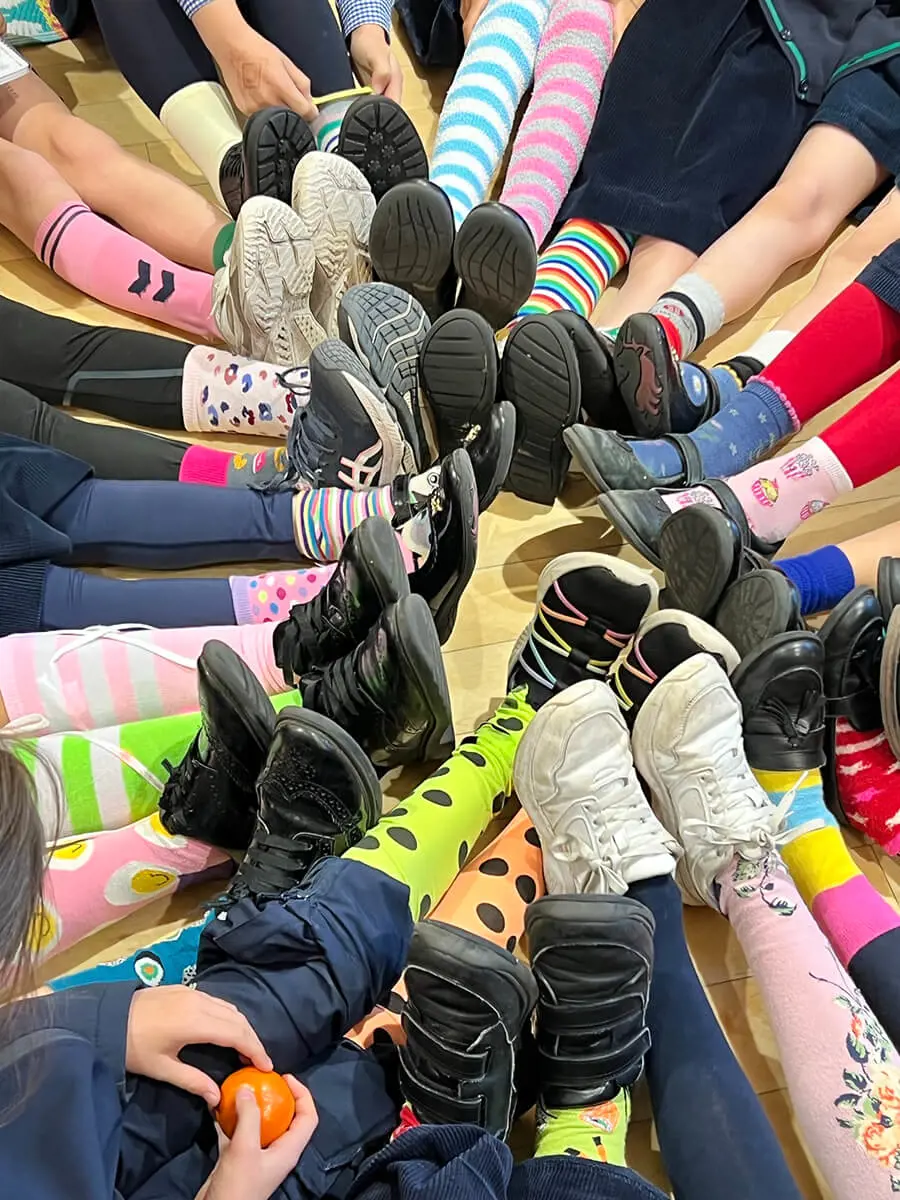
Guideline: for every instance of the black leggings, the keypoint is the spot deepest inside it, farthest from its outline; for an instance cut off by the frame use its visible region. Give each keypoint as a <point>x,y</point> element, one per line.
<point>158,50</point>
<point>119,373</point>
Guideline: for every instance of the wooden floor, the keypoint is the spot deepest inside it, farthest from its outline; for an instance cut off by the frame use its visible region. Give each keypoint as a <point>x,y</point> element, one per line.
<point>516,540</point>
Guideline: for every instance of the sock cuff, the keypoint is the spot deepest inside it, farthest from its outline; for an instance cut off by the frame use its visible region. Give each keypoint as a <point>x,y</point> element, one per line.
<point>822,577</point>
<point>699,292</point>
<point>222,244</point>
<point>830,463</point>
<point>202,464</point>
<point>774,399</point>
<point>50,231</point>
<point>192,389</point>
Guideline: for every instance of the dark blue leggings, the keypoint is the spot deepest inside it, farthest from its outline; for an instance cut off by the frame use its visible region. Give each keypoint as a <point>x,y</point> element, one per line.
<point>74,600</point>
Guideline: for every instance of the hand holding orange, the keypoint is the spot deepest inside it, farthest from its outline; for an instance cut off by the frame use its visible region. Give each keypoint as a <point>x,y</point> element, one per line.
<point>274,1099</point>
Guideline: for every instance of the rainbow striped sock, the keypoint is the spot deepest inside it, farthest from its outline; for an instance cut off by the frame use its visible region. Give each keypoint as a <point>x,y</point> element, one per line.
<point>325,517</point>
<point>576,267</point>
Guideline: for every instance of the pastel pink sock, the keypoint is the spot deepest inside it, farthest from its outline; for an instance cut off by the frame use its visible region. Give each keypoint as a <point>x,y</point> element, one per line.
<point>93,678</point>
<point>262,599</point>
<point>95,882</point>
<point>105,262</point>
<point>572,59</point>
<point>837,1058</point>
<point>221,392</point>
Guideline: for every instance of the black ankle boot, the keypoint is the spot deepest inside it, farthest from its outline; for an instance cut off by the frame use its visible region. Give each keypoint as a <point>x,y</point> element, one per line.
<point>391,692</point>
<point>370,575</point>
<point>466,1026</point>
<point>210,795</point>
<point>318,794</point>
<point>443,576</point>
<point>592,957</point>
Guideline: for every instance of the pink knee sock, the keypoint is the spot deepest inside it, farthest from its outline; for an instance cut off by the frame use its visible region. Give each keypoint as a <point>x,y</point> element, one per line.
<point>221,392</point>
<point>92,678</point>
<point>262,599</point>
<point>842,1072</point>
<point>99,880</point>
<point>110,265</point>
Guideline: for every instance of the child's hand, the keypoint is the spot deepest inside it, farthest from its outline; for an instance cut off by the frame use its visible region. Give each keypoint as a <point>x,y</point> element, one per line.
<point>247,1172</point>
<point>164,1020</point>
<point>375,62</point>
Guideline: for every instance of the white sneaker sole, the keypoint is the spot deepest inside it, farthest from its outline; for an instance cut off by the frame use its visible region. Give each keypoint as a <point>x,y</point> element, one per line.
<point>576,561</point>
<point>336,202</point>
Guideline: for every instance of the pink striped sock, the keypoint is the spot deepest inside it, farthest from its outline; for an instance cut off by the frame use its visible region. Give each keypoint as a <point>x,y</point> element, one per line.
<point>92,678</point>
<point>262,599</point>
<point>103,261</point>
<point>572,60</point>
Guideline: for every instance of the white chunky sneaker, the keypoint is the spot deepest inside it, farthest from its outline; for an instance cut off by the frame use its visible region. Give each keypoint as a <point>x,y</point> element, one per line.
<point>689,747</point>
<point>261,296</point>
<point>575,778</point>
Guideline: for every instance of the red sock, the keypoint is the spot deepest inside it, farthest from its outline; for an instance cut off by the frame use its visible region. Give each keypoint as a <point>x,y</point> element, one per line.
<point>672,334</point>
<point>105,262</point>
<point>867,438</point>
<point>850,342</point>
<point>868,781</point>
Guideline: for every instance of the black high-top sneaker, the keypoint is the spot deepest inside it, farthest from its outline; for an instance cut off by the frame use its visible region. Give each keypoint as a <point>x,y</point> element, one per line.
<point>263,162</point>
<point>779,685</point>
<point>664,640</point>
<point>469,1053</point>
<point>592,957</point>
<point>443,576</point>
<point>391,692</point>
<point>210,795</point>
<point>318,794</point>
<point>370,575</point>
<point>589,606</point>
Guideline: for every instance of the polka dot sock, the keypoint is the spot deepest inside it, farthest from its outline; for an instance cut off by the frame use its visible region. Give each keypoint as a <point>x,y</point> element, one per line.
<point>597,1132</point>
<point>261,599</point>
<point>225,393</point>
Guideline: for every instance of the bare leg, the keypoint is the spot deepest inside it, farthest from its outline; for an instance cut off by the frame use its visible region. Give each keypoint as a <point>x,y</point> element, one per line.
<point>866,551</point>
<point>146,202</point>
<point>654,267</point>
<point>29,189</point>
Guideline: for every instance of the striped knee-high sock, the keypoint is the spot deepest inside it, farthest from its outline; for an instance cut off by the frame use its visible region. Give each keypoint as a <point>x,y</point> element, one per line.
<point>571,63</point>
<point>481,104</point>
<point>576,268</point>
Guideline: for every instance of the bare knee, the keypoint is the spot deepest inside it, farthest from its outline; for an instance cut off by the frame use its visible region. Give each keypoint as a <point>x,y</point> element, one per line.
<point>805,210</point>
<point>74,147</point>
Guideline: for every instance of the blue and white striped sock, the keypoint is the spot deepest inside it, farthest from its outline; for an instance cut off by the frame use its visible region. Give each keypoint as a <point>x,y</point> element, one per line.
<point>480,108</point>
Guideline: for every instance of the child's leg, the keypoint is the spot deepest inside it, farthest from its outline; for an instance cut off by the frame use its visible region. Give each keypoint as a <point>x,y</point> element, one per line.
<point>653,267</point>
<point>150,204</point>
<point>842,1070</point>
<point>825,576</point>
<point>576,268</point>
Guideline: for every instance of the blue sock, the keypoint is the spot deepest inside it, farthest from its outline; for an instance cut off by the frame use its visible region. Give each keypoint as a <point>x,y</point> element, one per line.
<point>822,577</point>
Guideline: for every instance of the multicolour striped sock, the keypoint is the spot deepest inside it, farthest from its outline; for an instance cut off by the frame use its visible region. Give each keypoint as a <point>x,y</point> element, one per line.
<point>326,128</point>
<point>576,268</point>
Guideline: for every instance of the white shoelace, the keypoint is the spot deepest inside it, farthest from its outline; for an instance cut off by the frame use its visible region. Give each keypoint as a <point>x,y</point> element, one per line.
<point>119,633</point>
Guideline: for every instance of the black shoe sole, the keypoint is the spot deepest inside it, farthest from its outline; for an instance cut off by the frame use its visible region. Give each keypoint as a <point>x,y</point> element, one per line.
<point>496,261</point>
<point>376,556</point>
<point>411,243</point>
<point>458,368</point>
<point>414,641</point>
<point>644,371</point>
<point>696,548</point>
<point>890,684</point>
<point>887,597</point>
<point>275,139</point>
<point>540,378</point>
<point>380,140</point>
<point>348,748</point>
<point>218,664</point>
<point>756,608</point>
<point>620,520</point>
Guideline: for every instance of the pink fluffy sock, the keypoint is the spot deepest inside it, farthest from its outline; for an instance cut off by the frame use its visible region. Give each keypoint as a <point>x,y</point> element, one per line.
<point>110,265</point>
<point>92,678</point>
<point>221,391</point>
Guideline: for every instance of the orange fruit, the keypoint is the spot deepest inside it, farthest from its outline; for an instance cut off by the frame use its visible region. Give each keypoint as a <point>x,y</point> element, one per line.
<point>274,1099</point>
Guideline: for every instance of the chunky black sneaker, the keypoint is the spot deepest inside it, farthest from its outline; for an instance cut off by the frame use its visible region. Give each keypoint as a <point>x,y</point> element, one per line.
<point>385,327</point>
<point>491,448</point>
<point>380,139</point>
<point>263,162</point>
<point>589,606</point>
<point>496,260</point>
<point>664,640</point>
<point>210,795</point>
<point>600,400</point>
<point>411,244</point>
<point>444,575</point>
<point>318,794</point>
<point>539,375</point>
<point>458,368</point>
<point>390,692</point>
<point>649,377</point>
<point>468,1053</point>
<point>370,575</point>
<point>592,957</point>
<point>782,696</point>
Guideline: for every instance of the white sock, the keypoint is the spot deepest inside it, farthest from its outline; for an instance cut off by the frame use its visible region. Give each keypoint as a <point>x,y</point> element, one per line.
<point>770,345</point>
<point>202,120</point>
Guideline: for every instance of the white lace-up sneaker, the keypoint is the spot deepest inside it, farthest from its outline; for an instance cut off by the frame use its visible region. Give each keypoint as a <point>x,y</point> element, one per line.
<point>688,745</point>
<point>575,778</point>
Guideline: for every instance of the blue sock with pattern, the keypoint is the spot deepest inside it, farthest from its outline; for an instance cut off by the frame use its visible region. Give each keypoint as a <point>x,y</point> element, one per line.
<point>822,577</point>
<point>480,108</point>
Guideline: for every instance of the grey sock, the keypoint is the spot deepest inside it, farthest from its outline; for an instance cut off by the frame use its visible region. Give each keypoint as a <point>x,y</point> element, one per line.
<point>694,307</point>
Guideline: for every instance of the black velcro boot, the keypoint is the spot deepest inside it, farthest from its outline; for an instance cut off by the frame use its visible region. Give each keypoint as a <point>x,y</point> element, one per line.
<point>318,794</point>
<point>592,957</point>
<point>468,1056</point>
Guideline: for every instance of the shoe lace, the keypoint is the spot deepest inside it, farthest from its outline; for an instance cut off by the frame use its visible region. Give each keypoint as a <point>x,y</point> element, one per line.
<point>296,639</point>
<point>546,639</point>
<point>740,816</point>
<point>312,441</point>
<point>340,693</point>
<point>125,636</point>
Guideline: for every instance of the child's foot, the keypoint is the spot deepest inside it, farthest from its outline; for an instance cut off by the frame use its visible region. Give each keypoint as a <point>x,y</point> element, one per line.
<point>496,260</point>
<point>263,163</point>
<point>411,243</point>
<point>458,368</point>
<point>380,139</point>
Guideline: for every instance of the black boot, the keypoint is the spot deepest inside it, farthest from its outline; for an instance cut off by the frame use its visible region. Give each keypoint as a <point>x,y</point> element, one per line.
<point>443,576</point>
<point>210,795</point>
<point>466,1026</point>
<point>318,794</point>
<point>592,957</point>
<point>391,692</point>
<point>370,575</point>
